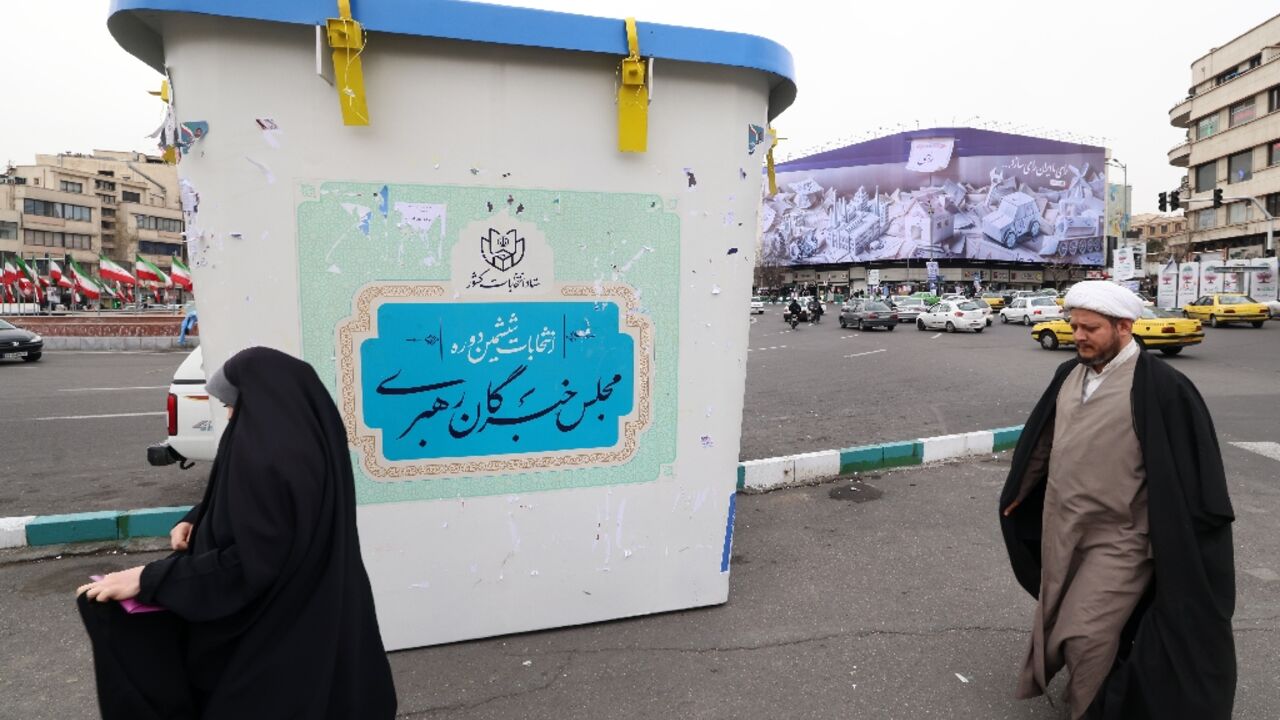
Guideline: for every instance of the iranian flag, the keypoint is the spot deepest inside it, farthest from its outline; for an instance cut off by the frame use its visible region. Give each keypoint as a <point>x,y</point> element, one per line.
<point>55,272</point>
<point>109,270</point>
<point>181,275</point>
<point>83,283</point>
<point>28,275</point>
<point>150,273</point>
<point>10,273</point>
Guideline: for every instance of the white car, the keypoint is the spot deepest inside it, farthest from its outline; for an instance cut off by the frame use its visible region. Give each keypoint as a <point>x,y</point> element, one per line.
<point>757,305</point>
<point>192,435</point>
<point>953,315</point>
<point>1031,310</point>
<point>1274,307</point>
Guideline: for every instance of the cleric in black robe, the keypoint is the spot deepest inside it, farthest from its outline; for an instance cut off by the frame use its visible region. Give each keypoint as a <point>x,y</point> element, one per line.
<point>269,609</point>
<point>1177,655</point>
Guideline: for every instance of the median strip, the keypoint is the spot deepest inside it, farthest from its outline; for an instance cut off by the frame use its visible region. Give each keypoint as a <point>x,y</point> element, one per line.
<point>754,476</point>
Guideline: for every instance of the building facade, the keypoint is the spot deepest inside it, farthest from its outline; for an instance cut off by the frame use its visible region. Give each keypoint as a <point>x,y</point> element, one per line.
<point>117,204</point>
<point>1164,236</point>
<point>1232,142</point>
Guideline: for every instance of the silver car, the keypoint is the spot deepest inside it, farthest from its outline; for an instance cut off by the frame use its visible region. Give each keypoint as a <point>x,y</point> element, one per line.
<point>908,308</point>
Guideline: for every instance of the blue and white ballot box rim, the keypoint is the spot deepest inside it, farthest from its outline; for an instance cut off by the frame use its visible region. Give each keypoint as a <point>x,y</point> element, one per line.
<point>135,26</point>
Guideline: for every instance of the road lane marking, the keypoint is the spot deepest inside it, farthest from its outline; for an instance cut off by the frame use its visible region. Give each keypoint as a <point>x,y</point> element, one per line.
<point>935,337</point>
<point>91,417</point>
<point>1265,449</point>
<point>869,352</point>
<point>106,389</point>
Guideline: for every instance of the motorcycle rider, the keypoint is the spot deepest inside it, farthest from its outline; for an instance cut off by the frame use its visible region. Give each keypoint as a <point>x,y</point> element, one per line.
<point>794,310</point>
<point>815,310</point>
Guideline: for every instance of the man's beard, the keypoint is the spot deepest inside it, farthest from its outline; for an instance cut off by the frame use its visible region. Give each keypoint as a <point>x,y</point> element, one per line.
<point>1105,355</point>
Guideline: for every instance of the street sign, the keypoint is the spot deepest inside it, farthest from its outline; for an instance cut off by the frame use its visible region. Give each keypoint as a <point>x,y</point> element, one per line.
<point>873,278</point>
<point>932,267</point>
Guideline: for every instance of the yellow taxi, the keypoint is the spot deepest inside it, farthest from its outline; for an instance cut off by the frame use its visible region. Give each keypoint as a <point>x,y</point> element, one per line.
<point>994,300</point>
<point>1222,308</point>
<point>1163,330</point>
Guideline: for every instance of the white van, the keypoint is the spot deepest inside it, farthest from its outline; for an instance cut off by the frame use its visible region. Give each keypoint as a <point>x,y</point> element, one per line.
<point>192,437</point>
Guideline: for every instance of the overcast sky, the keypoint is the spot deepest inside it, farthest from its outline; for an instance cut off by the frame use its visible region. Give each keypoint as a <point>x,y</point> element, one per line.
<point>1091,68</point>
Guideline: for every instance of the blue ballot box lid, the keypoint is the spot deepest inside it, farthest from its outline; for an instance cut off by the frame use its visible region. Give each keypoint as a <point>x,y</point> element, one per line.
<point>136,27</point>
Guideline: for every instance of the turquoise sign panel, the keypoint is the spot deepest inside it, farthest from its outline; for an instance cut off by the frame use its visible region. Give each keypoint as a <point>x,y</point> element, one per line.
<point>450,380</point>
<point>385,270</point>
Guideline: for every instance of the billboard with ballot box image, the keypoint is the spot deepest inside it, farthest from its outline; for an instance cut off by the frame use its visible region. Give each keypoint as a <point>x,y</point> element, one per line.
<point>945,193</point>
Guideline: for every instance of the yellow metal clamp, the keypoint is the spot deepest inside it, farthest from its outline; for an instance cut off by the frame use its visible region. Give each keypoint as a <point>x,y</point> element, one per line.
<point>773,178</point>
<point>633,98</point>
<point>346,37</point>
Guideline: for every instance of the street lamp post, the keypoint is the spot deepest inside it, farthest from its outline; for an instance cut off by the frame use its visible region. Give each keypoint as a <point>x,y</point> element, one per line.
<point>1124,217</point>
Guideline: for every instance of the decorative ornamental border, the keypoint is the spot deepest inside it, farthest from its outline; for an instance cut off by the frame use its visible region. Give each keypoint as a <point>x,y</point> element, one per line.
<point>368,441</point>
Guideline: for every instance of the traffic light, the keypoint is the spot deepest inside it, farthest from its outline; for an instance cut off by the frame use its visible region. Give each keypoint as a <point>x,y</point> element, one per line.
<point>1217,197</point>
<point>1174,201</point>
<point>1164,202</point>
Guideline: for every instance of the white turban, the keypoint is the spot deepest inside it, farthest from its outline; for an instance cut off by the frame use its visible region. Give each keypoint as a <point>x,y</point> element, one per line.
<point>1104,297</point>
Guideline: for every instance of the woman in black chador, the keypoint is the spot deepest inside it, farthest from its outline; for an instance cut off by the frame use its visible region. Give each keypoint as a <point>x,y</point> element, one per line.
<point>268,610</point>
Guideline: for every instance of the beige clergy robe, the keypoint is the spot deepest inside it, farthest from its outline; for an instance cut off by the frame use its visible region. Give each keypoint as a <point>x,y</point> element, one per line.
<point>1095,552</point>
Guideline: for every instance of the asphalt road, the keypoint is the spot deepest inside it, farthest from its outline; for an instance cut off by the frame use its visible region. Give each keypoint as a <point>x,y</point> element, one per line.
<point>897,608</point>
<point>74,427</point>
<point>74,431</point>
<point>820,387</point>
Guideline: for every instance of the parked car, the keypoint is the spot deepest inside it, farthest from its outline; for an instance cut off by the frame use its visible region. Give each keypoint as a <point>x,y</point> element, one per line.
<point>16,343</point>
<point>1225,308</point>
<point>191,435</point>
<point>907,307</point>
<point>757,305</point>
<point>951,316</point>
<point>1163,330</point>
<point>868,314</point>
<point>1031,310</point>
<point>1274,307</point>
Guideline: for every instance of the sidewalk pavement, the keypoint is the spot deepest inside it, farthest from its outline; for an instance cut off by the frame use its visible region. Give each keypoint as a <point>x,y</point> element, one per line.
<point>890,601</point>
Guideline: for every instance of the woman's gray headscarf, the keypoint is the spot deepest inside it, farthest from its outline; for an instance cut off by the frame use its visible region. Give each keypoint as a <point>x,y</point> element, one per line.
<point>220,387</point>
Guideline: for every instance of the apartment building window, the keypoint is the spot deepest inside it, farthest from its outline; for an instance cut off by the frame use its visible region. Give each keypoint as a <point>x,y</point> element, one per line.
<point>1273,152</point>
<point>107,173</point>
<point>1272,203</point>
<point>104,185</point>
<point>1237,212</point>
<point>1207,126</point>
<point>108,225</point>
<point>108,212</point>
<point>149,222</point>
<point>1273,99</point>
<point>8,230</point>
<point>1206,176</point>
<point>46,238</point>
<point>1206,219</point>
<point>132,197</point>
<point>1164,228</point>
<point>65,211</point>
<point>1240,167</point>
<point>155,248</point>
<point>1241,112</point>
<point>41,237</point>
<point>71,187</point>
<point>107,198</point>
